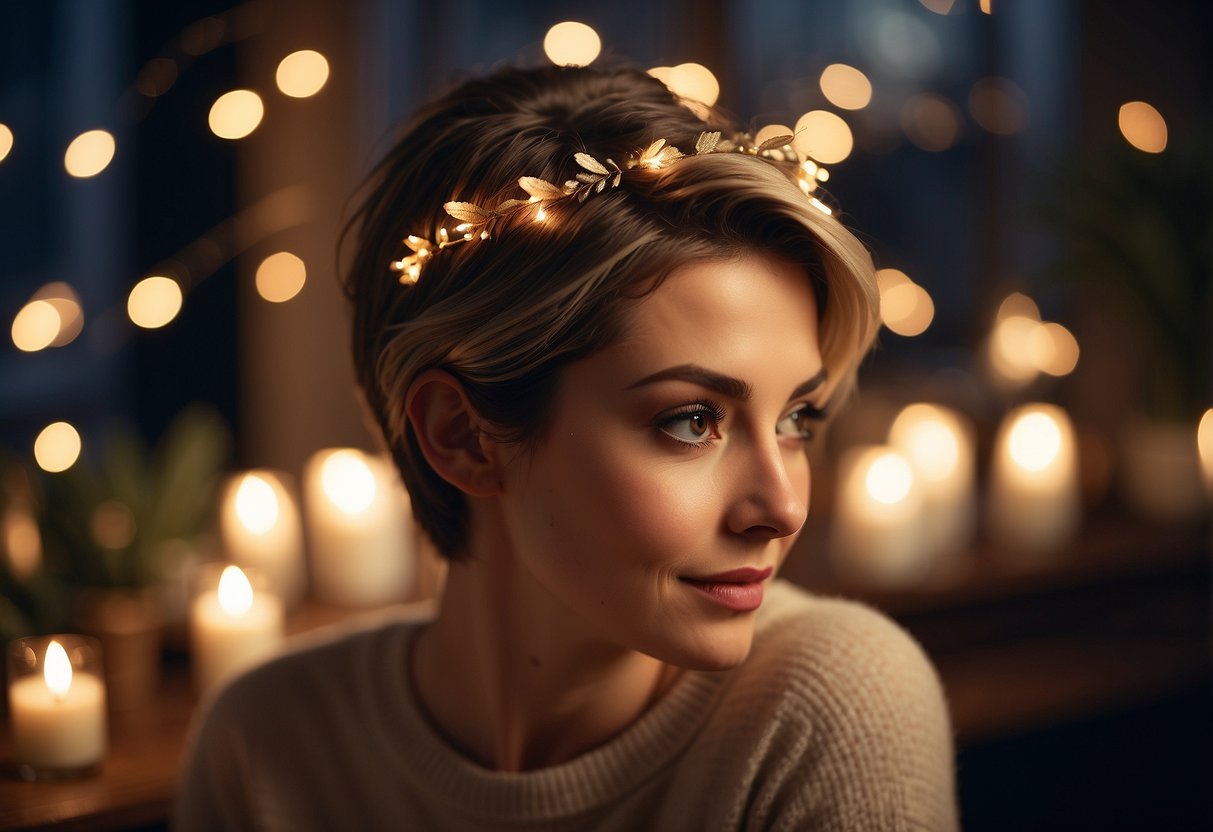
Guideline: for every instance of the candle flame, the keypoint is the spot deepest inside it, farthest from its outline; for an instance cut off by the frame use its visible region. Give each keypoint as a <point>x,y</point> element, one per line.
<point>1204,444</point>
<point>931,440</point>
<point>889,478</point>
<point>235,592</point>
<point>256,504</point>
<point>347,481</point>
<point>1035,441</point>
<point>57,670</point>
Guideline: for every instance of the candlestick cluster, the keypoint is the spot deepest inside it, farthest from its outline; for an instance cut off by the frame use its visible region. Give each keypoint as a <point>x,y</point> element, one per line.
<point>907,507</point>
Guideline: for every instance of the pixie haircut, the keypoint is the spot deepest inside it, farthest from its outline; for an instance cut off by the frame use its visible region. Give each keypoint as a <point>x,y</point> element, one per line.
<point>505,315</point>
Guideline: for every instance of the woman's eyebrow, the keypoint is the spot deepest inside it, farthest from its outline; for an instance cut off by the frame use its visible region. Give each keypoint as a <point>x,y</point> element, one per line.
<point>734,388</point>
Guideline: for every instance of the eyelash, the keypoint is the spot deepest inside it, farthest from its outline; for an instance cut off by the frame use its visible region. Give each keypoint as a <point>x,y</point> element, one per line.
<point>714,414</point>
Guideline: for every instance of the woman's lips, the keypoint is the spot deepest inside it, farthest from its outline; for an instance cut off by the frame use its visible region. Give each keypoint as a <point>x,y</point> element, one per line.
<point>739,590</point>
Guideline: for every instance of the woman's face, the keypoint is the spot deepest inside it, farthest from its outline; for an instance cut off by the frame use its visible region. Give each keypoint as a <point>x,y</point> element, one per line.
<point>672,479</point>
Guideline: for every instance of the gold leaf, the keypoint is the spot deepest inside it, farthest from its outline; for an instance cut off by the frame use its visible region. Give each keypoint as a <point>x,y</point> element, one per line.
<point>588,178</point>
<point>668,155</point>
<point>590,163</point>
<point>706,143</point>
<point>615,179</point>
<point>775,142</point>
<point>600,186</point>
<point>570,185</point>
<point>540,188</point>
<point>468,212</point>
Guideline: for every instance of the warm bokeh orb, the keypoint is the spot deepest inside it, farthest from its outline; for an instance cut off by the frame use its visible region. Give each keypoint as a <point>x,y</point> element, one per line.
<point>302,74</point>
<point>236,114</point>
<point>89,154</point>
<point>572,44</point>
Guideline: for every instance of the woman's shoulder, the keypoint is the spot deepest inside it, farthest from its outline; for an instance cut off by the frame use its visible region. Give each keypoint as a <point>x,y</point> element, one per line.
<point>847,664</point>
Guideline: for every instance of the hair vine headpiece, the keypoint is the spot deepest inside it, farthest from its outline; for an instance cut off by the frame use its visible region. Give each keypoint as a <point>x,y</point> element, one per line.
<point>477,222</point>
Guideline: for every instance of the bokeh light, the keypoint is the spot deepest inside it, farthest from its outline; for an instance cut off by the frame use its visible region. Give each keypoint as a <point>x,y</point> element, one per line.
<point>1204,446</point>
<point>889,478</point>
<point>1035,440</point>
<point>256,504</point>
<point>302,74</point>
<point>156,77</point>
<point>694,82</point>
<point>347,481</point>
<point>930,437</point>
<point>235,114</point>
<point>6,141</point>
<point>572,44</point>
<point>280,277</point>
<point>823,136</point>
<point>999,106</point>
<point>57,447</point>
<point>905,307</point>
<point>67,303</point>
<point>112,525</point>
<point>21,540</point>
<point>1143,127</point>
<point>1054,348</point>
<point>846,87</point>
<point>939,6</point>
<point>36,326</point>
<point>1017,303</point>
<point>89,154</point>
<point>931,122</point>
<point>154,301</point>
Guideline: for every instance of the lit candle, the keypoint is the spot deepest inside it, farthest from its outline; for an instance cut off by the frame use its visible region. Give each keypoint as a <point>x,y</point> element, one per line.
<point>261,529</point>
<point>877,529</point>
<point>232,627</point>
<point>363,543</point>
<point>1204,448</point>
<point>58,711</point>
<point>938,442</point>
<point>1034,491</point>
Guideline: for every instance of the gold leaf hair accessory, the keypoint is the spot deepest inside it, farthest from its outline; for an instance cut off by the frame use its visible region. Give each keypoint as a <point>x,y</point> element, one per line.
<point>478,223</point>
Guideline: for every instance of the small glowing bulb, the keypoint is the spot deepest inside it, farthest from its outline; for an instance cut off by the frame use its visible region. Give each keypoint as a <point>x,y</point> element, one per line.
<point>889,478</point>
<point>302,74</point>
<point>89,154</point>
<point>256,504</point>
<point>541,215</point>
<point>347,481</point>
<point>57,447</point>
<point>235,592</point>
<point>57,670</point>
<point>1035,441</point>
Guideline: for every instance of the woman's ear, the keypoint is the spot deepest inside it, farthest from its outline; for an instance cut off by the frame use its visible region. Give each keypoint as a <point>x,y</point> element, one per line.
<point>448,429</point>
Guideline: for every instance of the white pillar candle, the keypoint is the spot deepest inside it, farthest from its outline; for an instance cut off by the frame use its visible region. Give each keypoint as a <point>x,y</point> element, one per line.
<point>1034,499</point>
<point>232,628</point>
<point>877,529</point>
<point>260,525</point>
<point>360,530</point>
<point>938,442</point>
<point>57,710</point>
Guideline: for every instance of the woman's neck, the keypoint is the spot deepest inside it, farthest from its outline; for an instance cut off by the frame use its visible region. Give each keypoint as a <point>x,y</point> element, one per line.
<point>510,676</point>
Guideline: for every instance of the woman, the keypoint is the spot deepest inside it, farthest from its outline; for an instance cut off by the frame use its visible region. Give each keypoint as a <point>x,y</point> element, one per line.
<point>607,337</point>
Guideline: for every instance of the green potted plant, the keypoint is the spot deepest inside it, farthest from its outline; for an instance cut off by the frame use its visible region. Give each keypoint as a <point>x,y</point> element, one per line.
<point>111,525</point>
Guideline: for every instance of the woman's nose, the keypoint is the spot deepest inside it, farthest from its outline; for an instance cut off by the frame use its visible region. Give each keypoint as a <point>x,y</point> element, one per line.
<point>771,492</point>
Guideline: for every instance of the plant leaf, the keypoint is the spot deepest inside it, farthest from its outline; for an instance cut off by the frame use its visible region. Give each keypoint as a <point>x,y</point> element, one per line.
<point>511,205</point>
<point>706,143</point>
<point>775,142</point>
<point>540,188</point>
<point>468,212</point>
<point>590,163</point>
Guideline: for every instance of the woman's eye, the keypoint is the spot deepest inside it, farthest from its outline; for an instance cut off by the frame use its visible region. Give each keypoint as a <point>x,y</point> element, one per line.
<point>799,423</point>
<point>694,427</point>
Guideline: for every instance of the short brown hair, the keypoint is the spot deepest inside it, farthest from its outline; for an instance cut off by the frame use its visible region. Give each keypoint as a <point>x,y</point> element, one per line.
<point>505,315</point>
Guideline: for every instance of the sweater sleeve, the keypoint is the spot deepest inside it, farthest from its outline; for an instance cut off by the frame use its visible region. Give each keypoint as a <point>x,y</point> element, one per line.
<point>877,750</point>
<point>213,790</point>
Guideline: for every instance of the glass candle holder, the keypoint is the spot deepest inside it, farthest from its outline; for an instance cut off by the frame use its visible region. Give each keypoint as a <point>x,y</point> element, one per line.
<point>236,621</point>
<point>56,699</point>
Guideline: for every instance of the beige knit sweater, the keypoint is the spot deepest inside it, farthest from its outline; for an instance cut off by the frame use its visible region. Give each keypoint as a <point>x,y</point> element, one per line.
<point>836,721</point>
